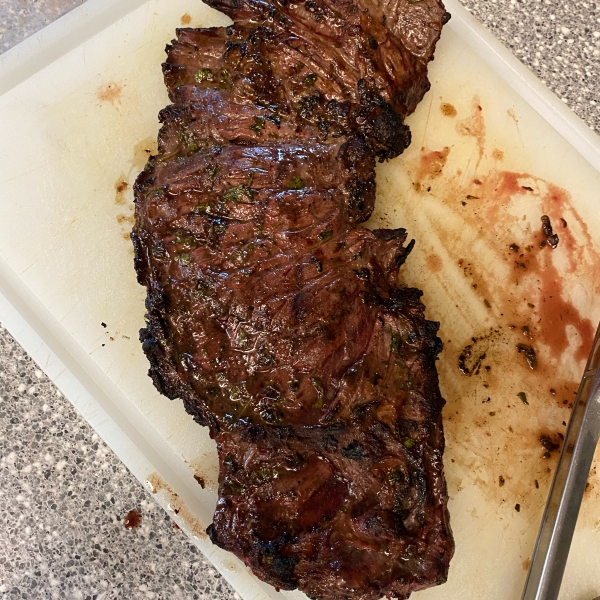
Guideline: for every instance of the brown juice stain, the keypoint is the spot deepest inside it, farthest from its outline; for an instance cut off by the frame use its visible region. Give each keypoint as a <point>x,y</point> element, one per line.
<point>495,286</point>
<point>497,154</point>
<point>110,92</point>
<point>511,113</point>
<point>125,219</point>
<point>121,187</point>
<point>186,19</point>
<point>474,126</point>
<point>431,165</point>
<point>448,110</point>
<point>434,263</point>
<point>230,565</point>
<point>157,484</point>
<point>132,520</point>
<point>142,152</point>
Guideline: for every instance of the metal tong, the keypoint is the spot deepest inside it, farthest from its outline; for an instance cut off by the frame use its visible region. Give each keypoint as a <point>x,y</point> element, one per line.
<point>558,523</point>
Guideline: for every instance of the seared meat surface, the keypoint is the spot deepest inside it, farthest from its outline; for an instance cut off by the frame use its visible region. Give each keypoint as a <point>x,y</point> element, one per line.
<point>274,316</point>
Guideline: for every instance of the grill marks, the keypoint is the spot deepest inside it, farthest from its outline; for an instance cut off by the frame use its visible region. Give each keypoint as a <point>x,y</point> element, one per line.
<point>275,317</point>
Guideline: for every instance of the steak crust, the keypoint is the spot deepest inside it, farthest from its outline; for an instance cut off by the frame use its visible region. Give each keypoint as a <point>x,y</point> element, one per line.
<point>278,319</point>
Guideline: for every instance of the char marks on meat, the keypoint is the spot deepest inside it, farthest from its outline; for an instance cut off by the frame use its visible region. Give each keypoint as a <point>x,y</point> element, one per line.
<point>278,319</point>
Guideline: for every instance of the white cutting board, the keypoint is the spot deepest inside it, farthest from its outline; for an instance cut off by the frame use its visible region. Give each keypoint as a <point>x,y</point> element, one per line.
<point>76,134</point>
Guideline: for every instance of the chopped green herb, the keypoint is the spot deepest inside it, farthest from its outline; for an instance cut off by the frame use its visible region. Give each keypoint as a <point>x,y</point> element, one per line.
<point>296,183</point>
<point>408,443</point>
<point>309,80</point>
<point>184,258</point>
<point>204,75</point>
<point>224,76</point>
<point>183,237</point>
<point>258,126</point>
<point>326,235</point>
<point>212,171</point>
<point>523,397</point>
<point>188,141</point>
<point>200,209</point>
<point>156,193</point>
<point>242,339</point>
<point>397,475</point>
<point>396,343</point>
<point>236,488</point>
<point>238,193</point>
<point>167,156</point>
<point>261,475</point>
<point>319,387</point>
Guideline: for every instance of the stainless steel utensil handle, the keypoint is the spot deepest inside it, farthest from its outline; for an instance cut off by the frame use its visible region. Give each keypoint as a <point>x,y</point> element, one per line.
<point>558,523</point>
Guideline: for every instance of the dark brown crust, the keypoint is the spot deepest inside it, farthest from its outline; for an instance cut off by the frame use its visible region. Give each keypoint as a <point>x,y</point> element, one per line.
<point>278,320</point>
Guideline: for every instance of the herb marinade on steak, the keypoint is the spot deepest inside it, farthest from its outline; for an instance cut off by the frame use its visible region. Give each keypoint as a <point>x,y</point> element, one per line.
<point>274,316</point>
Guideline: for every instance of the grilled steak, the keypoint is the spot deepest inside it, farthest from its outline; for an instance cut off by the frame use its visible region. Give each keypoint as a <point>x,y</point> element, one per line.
<point>274,316</point>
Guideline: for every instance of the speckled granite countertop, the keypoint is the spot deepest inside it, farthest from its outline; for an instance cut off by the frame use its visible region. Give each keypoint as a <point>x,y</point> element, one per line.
<point>64,494</point>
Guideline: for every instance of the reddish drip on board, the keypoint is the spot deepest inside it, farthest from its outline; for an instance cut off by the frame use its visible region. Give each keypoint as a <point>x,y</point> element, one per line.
<point>491,431</point>
<point>555,312</point>
<point>474,126</point>
<point>432,163</point>
<point>552,311</point>
<point>434,263</point>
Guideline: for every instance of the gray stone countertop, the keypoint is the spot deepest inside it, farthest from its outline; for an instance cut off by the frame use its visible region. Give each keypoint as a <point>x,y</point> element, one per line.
<point>63,493</point>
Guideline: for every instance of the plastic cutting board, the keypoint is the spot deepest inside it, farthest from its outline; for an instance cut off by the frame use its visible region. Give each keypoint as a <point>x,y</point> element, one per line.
<point>492,151</point>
